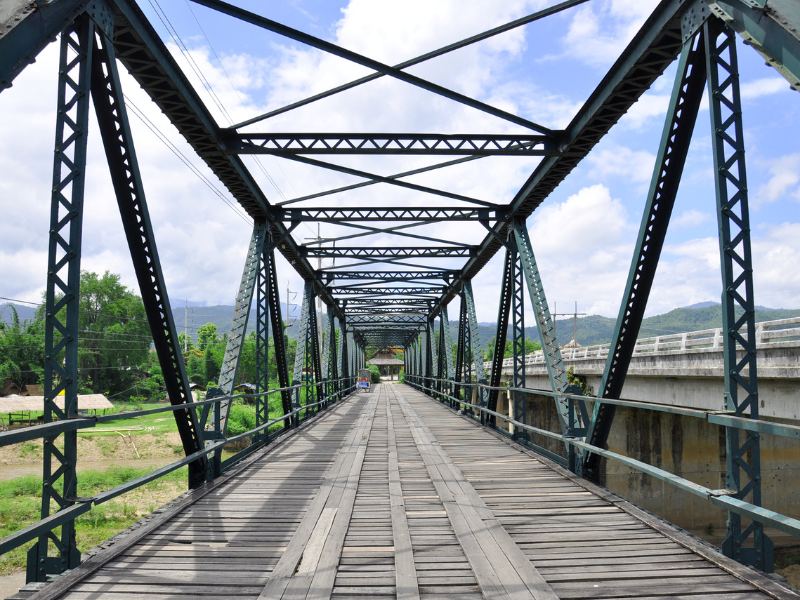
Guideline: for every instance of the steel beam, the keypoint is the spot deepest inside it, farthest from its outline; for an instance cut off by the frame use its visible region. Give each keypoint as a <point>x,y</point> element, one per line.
<point>268,285</point>
<point>503,310</point>
<point>428,144</point>
<point>332,368</point>
<point>475,347</point>
<point>62,298</point>
<point>315,42</point>
<point>676,136</point>
<point>556,372</point>
<point>462,344</point>
<point>424,293</point>
<point>771,28</point>
<point>302,360</point>
<point>109,105</point>
<point>241,315</point>
<point>747,543</point>
<point>386,276</point>
<point>263,317</point>
<point>518,348</point>
<point>400,319</point>
<point>28,28</point>
<point>389,252</point>
<point>388,214</point>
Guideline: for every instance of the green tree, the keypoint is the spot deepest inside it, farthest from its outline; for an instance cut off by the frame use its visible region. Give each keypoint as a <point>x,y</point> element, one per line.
<point>114,335</point>
<point>21,350</point>
<point>207,335</point>
<point>530,346</point>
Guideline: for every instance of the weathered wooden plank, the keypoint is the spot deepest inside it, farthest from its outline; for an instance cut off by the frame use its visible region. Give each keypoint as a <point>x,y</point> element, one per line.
<point>491,552</point>
<point>406,584</point>
<point>390,494</point>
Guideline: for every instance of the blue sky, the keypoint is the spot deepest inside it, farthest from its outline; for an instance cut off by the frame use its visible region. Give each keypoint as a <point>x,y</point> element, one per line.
<point>583,234</point>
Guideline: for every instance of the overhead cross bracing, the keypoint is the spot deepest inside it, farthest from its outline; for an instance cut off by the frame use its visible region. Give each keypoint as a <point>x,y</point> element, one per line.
<point>399,248</point>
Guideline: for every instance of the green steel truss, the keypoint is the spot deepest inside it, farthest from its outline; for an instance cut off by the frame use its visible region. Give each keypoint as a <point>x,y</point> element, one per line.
<point>396,275</point>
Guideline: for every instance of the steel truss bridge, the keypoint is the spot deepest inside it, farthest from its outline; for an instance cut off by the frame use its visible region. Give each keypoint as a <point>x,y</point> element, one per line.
<point>383,293</point>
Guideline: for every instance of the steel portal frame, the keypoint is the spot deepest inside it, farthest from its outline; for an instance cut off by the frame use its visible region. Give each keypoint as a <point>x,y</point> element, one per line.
<point>395,307</point>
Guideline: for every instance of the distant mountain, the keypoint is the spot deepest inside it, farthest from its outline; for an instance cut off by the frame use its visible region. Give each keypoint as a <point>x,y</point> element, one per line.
<point>24,312</point>
<point>595,329</point>
<point>589,330</point>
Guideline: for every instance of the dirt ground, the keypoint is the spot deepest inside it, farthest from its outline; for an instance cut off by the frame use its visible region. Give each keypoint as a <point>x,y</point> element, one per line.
<point>129,448</point>
<point>792,575</point>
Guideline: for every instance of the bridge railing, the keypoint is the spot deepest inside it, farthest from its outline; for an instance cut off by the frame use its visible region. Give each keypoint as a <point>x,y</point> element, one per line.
<point>769,334</point>
<point>445,390</point>
<point>260,435</point>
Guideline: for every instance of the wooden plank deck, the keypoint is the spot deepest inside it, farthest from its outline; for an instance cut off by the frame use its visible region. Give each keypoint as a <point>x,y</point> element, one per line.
<point>392,495</point>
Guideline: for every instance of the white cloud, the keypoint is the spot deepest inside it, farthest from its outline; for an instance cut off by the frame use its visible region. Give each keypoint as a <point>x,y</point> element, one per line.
<point>765,86</point>
<point>583,243</point>
<point>649,106</point>
<point>776,252</point>
<point>783,182</point>
<point>690,218</point>
<point>620,161</point>
<point>600,30</point>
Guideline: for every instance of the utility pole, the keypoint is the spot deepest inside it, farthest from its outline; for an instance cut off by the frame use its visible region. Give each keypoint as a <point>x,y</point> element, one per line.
<point>575,314</point>
<point>318,301</point>
<point>185,327</point>
<point>289,296</point>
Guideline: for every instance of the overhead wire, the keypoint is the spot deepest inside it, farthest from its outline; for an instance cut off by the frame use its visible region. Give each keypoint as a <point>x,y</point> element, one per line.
<point>207,84</point>
<point>155,130</point>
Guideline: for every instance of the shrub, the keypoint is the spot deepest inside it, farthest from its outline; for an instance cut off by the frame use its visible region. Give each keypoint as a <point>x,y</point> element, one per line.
<point>375,372</point>
<point>241,418</point>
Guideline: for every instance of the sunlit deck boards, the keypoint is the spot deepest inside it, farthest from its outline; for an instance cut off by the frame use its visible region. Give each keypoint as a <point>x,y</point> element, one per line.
<point>392,495</point>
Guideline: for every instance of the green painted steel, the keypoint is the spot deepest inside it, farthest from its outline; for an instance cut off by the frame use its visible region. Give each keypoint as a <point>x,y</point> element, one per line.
<point>556,372</point>
<point>378,307</point>
<point>746,542</point>
<point>241,316</point>
<point>687,92</point>
<point>62,297</point>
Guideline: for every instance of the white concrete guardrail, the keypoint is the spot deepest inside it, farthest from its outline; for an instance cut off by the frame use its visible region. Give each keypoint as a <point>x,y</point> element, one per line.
<point>769,334</point>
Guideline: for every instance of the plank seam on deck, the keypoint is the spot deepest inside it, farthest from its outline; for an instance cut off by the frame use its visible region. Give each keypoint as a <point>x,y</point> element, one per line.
<point>698,547</point>
<point>284,579</point>
<point>124,540</point>
<point>406,584</point>
<point>481,535</point>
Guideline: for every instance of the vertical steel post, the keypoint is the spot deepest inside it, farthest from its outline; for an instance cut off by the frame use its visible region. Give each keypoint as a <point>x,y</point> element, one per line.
<point>556,372</point>
<point>270,302</point>
<point>313,355</point>
<point>746,543</point>
<point>503,309</point>
<point>302,350</point>
<point>448,351</point>
<point>345,334</point>
<point>461,345</point>
<point>62,297</point>
<point>687,92</point>
<point>262,336</point>
<point>430,359</point>
<point>476,357</point>
<point>332,371</point>
<point>517,399</point>
<point>112,118</point>
<point>241,315</point>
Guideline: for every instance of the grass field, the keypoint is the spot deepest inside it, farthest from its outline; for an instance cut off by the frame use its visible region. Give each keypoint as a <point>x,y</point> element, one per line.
<point>125,445</point>
<point>20,505</point>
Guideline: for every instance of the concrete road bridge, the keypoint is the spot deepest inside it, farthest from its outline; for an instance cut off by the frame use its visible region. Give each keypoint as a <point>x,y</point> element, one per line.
<point>435,488</point>
<point>687,369</point>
